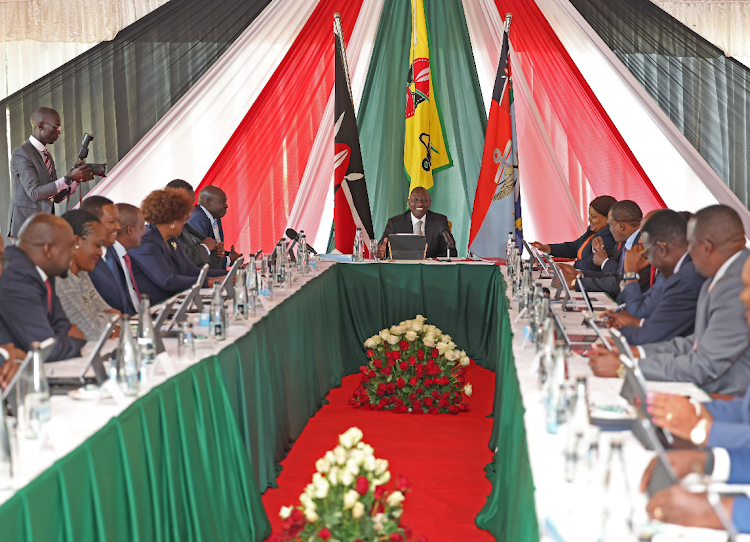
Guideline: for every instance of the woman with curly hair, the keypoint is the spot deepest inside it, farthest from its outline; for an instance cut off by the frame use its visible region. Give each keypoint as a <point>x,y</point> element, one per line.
<point>582,249</point>
<point>160,266</point>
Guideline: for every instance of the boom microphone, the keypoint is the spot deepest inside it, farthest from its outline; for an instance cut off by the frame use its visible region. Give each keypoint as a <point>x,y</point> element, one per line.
<point>294,237</point>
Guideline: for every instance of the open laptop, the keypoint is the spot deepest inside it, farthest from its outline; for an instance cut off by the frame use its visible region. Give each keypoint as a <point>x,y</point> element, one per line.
<point>576,342</point>
<point>227,285</point>
<point>535,254</point>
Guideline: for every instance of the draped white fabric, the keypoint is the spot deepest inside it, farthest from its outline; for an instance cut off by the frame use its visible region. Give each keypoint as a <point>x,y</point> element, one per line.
<point>186,141</point>
<point>547,206</point>
<point>682,177</point>
<point>725,23</point>
<point>76,21</point>
<point>23,62</point>
<point>316,189</point>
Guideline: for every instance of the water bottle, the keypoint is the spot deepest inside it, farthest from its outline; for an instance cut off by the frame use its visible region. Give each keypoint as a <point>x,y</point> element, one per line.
<point>241,298</point>
<point>252,284</point>
<point>508,248</point>
<point>577,424</point>
<point>358,254</point>
<point>556,401</point>
<point>617,517</point>
<point>278,269</point>
<point>303,258</point>
<point>526,291</point>
<point>146,332</point>
<point>6,456</point>
<point>217,326</point>
<point>126,368</point>
<point>36,396</point>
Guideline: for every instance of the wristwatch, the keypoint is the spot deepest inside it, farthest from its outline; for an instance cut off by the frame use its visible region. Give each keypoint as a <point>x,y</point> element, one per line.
<point>68,180</point>
<point>699,434</point>
<point>622,371</point>
<point>630,275</point>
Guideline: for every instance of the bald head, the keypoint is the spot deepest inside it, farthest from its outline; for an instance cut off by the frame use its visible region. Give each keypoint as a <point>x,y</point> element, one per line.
<point>715,234</point>
<point>49,242</point>
<point>45,125</point>
<point>132,226</point>
<point>42,114</point>
<point>214,200</point>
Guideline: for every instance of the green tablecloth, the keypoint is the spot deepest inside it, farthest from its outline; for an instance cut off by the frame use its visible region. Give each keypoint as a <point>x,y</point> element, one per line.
<point>189,460</point>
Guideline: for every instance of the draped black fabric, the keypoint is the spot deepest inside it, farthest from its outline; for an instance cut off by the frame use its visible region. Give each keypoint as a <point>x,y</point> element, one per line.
<point>705,94</point>
<point>118,90</point>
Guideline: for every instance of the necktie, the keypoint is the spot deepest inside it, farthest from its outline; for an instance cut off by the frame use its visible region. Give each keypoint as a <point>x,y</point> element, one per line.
<point>48,284</point>
<point>418,228</point>
<point>126,257</point>
<point>47,161</point>
<point>653,275</point>
<point>217,235</point>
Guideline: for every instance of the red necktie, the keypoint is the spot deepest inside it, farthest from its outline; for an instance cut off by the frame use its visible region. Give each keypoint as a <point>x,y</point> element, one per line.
<point>126,257</point>
<point>47,161</point>
<point>619,246</point>
<point>653,274</point>
<point>49,295</point>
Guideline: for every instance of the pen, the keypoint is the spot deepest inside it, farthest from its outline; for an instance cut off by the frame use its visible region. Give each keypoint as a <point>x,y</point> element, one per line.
<point>619,308</point>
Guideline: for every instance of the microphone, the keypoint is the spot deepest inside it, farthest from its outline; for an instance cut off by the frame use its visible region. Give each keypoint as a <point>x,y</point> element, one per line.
<point>449,240</point>
<point>294,237</point>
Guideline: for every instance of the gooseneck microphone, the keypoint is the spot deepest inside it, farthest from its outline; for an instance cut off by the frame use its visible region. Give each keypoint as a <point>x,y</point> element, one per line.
<point>294,237</point>
<point>449,240</point>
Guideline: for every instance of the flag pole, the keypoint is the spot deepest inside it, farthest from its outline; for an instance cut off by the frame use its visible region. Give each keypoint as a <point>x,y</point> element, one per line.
<point>338,31</point>
<point>508,17</point>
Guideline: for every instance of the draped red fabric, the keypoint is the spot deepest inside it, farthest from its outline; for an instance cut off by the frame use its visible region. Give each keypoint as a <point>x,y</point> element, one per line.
<point>261,167</point>
<point>605,159</point>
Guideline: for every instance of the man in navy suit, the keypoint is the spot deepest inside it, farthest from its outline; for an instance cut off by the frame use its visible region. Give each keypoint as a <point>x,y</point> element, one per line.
<point>624,222</point>
<point>199,249</point>
<point>206,219</point>
<point>664,238</point>
<point>109,276</point>
<point>30,310</point>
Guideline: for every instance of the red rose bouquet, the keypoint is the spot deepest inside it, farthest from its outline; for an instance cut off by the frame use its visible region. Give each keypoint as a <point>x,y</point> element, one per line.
<point>347,500</point>
<point>415,368</point>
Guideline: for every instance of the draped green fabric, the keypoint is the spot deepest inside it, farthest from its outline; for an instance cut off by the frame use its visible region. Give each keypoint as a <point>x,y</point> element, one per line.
<point>181,463</point>
<point>381,114</point>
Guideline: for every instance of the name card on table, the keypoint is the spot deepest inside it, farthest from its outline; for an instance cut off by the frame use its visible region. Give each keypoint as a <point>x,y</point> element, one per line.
<point>55,434</point>
<point>264,302</point>
<point>165,363</point>
<point>112,388</point>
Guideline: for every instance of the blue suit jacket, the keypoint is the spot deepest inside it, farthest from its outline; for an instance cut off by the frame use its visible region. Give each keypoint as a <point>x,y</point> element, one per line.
<point>642,304</point>
<point>570,249</point>
<point>24,317</point>
<point>161,269</point>
<point>112,287</point>
<point>200,222</point>
<point>731,426</point>
<point>674,316</point>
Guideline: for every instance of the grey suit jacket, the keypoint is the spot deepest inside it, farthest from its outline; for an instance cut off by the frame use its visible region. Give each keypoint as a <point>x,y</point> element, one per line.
<point>717,355</point>
<point>196,253</point>
<point>32,186</point>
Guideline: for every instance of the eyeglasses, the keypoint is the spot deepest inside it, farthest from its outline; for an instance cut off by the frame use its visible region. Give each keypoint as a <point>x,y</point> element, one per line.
<point>652,245</point>
<point>57,127</point>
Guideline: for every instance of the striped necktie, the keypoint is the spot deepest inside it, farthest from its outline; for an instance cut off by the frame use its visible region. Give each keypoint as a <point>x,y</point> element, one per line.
<point>47,161</point>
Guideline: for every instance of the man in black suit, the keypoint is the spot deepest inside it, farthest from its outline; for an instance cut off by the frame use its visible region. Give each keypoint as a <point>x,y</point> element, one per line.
<point>624,222</point>
<point>34,180</point>
<point>419,220</point>
<point>206,219</point>
<point>199,248</point>
<point>30,310</point>
<point>665,243</point>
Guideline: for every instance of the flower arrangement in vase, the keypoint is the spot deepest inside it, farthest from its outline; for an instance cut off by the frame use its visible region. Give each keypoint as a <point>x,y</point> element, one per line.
<point>415,368</point>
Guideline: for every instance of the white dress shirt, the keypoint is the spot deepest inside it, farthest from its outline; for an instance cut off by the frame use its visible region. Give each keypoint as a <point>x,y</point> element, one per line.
<point>121,251</point>
<point>217,234</point>
<point>59,183</point>
<point>414,221</point>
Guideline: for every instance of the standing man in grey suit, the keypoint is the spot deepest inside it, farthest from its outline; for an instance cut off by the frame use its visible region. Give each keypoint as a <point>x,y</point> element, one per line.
<point>35,184</point>
<point>717,355</point>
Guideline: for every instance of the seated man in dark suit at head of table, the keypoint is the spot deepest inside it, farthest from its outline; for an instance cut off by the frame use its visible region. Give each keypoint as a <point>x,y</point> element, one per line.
<point>206,219</point>
<point>30,310</point>
<point>717,355</point>
<point>421,221</point>
<point>664,238</point>
<point>200,249</point>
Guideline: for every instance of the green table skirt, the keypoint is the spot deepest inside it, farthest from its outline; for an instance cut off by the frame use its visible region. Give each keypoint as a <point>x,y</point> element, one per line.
<point>189,460</point>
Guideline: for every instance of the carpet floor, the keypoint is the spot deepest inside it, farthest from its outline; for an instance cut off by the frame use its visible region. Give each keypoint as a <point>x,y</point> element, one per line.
<point>443,456</point>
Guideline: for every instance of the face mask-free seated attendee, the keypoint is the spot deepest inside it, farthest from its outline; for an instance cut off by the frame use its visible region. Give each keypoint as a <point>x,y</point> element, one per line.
<point>717,355</point>
<point>206,219</point>
<point>132,228</point>
<point>30,310</point>
<point>625,225</point>
<point>109,276</point>
<point>160,266</point>
<point>421,221</point>
<point>81,302</point>
<point>597,236</point>
<point>664,237</point>
<point>199,249</point>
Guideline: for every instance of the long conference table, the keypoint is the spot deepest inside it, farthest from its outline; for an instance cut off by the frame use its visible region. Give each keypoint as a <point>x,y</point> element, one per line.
<point>189,458</point>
